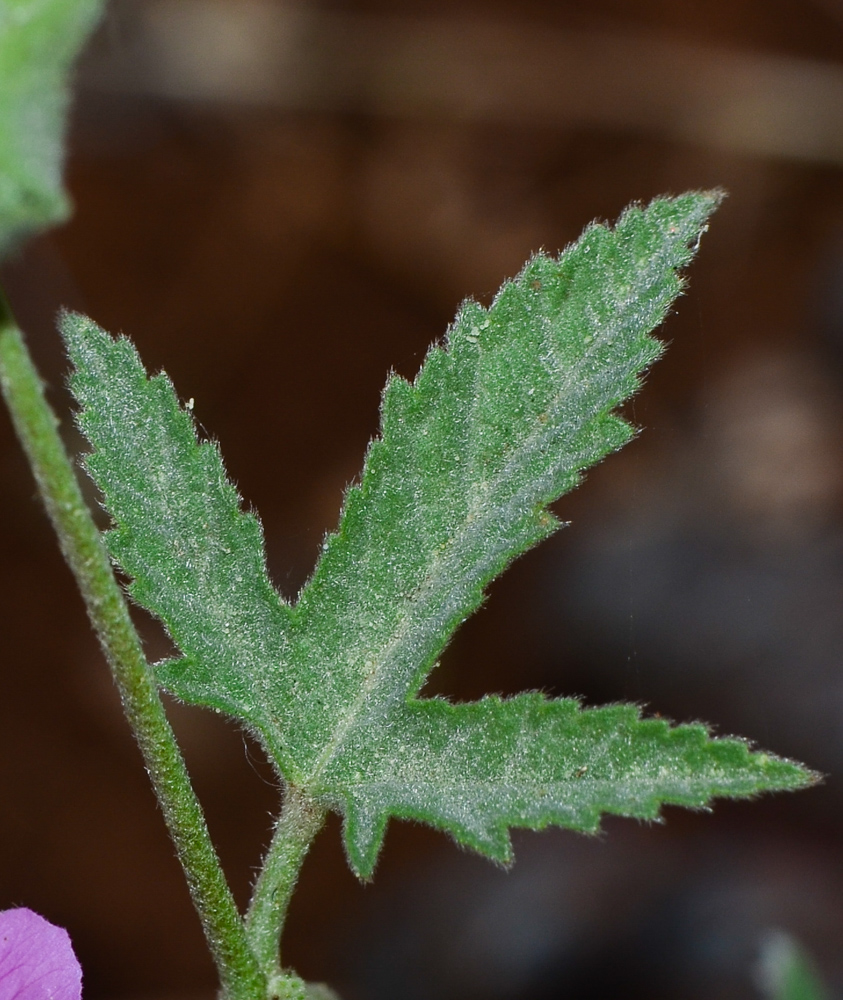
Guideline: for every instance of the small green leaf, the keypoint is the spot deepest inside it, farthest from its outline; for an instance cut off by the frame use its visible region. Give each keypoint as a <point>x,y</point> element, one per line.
<point>786,972</point>
<point>501,420</point>
<point>39,39</point>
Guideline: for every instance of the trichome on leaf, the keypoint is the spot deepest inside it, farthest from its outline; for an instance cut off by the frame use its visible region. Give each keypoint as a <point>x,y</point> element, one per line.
<point>501,420</point>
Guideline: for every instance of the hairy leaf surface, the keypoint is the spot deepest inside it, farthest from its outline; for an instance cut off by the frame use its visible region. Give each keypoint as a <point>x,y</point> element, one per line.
<point>196,560</point>
<point>501,420</point>
<point>477,769</point>
<point>39,39</point>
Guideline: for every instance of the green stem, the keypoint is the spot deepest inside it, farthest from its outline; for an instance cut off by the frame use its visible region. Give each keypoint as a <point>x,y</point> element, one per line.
<point>300,820</point>
<point>84,551</point>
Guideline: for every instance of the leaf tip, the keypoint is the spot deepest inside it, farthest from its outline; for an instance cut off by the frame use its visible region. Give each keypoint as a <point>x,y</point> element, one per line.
<point>364,829</point>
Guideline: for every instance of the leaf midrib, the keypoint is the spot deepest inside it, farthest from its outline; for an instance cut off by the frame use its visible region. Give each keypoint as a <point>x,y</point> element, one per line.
<point>565,397</point>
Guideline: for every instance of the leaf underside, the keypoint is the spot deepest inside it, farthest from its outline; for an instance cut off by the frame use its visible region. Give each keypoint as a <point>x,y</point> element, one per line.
<point>39,39</point>
<point>501,420</point>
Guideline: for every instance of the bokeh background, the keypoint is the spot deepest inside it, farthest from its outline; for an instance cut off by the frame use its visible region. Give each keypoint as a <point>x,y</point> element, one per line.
<point>281,203</point>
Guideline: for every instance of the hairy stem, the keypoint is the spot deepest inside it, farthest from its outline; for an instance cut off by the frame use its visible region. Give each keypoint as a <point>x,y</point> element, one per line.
<point>301,819</point>
<point>80,540</point>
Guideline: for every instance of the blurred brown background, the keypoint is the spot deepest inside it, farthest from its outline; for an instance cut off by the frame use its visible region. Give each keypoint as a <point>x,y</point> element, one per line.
<point>278,204</point>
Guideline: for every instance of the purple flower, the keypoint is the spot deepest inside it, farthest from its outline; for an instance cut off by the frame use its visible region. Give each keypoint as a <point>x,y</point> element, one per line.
<point>36,959</point>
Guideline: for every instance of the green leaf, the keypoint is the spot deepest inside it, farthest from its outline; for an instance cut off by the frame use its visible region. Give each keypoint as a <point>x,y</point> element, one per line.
<point>477,769</point>
<point>39,39</point>
<point>786,972</point>
<point>501,420</point>
<point>195,559</point>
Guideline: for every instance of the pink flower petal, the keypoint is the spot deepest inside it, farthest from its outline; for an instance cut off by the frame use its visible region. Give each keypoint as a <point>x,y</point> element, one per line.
<point>36,959</point>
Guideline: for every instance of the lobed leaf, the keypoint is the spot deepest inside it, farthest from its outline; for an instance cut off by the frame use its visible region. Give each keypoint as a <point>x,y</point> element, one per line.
<point>501,420</point>
<point>39,39</point>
